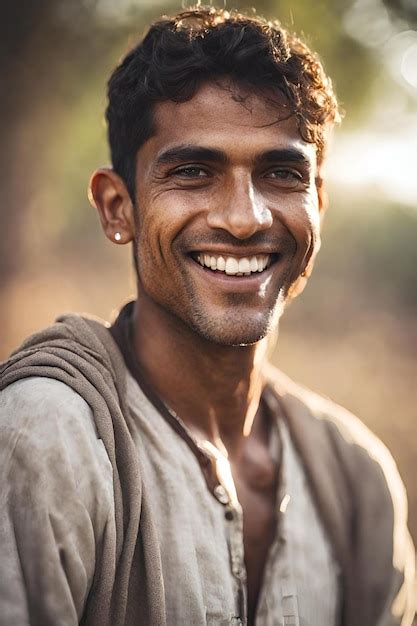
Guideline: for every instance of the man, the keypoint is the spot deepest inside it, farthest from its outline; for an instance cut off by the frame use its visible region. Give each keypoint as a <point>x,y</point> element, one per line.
<point>159,471</point>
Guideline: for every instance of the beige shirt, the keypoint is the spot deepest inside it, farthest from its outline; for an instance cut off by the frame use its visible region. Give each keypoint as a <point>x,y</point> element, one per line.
<point>301,580</point>
<point>200,536</point>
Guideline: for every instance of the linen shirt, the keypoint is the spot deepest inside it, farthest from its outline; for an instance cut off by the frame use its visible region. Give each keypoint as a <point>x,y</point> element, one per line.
<point>78,536</point>
<point>200,536</point>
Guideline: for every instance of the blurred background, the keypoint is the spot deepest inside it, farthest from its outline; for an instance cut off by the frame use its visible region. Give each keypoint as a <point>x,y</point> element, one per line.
<point>352,335</point>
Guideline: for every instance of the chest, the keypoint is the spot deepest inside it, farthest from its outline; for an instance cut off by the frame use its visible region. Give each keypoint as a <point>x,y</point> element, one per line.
<point>197,549</point>
<point>256,482</point>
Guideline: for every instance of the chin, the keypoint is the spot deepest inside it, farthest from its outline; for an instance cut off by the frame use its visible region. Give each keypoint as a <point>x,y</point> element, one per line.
<point>238,332</point>
<point>232,338</point>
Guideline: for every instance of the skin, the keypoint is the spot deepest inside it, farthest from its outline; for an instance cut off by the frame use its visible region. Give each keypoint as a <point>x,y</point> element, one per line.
<point>201,337</point>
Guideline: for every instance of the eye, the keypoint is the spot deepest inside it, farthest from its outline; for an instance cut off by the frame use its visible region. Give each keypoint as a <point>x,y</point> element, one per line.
<point>284,177</point>
<point>190,171</point>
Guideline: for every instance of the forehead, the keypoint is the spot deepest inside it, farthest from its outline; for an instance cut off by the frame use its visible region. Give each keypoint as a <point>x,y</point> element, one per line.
<point>229,118</point>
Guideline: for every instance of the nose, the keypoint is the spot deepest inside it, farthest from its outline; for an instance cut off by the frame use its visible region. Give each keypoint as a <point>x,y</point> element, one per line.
<point>240,209</point>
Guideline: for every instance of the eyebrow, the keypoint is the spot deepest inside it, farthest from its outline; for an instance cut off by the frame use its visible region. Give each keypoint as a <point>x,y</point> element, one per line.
<point>179,154</point>
<point>191,153</point>
<point>285,155</point>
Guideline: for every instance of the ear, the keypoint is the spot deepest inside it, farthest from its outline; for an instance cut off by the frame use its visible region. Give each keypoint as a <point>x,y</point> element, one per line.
<point>108,193</point>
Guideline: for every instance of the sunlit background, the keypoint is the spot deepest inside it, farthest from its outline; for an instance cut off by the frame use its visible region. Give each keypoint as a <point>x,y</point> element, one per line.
<point>352,335</point>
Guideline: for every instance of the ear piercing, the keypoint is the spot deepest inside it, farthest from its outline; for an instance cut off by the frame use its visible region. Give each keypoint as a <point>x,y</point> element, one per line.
<point>117,236</point>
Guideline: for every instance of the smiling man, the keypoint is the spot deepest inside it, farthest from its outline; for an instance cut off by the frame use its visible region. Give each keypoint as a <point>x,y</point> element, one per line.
<point>158,471</point>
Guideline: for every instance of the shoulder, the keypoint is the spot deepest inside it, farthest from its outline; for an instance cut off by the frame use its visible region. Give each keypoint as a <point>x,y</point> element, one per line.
<point>352,438</point>
<point>360,467</point>
<point>355,465</point>
<point>47,432</point>
<point>44,405</point>
<point>56,496</point>
<point>39,393</point>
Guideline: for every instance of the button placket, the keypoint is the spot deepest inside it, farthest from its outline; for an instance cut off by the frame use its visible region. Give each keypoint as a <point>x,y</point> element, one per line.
<point>278,556</point>
<point>225,493</point>
<point>289,606</point>
<point>236,549</point>
<point>221,494</point>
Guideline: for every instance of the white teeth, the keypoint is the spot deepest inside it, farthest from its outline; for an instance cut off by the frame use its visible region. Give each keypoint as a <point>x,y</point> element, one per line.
<point>221,264</point>
<point>262,261</point>
<point>234,266</point>
<point>244,265</point>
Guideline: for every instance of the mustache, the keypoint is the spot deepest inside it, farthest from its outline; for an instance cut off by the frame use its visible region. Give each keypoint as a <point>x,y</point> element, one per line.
<point>283,242</point>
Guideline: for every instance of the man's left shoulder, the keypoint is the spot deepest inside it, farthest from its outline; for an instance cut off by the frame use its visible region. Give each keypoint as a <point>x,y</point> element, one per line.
<point>354,441</point>
<point>358,484</point>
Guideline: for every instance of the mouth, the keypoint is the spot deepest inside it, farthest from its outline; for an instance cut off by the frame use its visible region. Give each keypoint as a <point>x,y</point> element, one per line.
<point>236,266</point>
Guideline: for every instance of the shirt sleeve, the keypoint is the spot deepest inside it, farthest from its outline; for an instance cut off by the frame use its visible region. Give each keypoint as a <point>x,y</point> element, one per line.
<point>402,596</point>
<point>381,538</point>
<point>56,502</point>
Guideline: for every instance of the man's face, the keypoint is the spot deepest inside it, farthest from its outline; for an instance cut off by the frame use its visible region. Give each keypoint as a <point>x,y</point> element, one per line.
<point>228,212</point>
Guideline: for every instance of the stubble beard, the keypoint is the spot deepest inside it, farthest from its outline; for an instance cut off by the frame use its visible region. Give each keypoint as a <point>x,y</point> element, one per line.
<point>234,328</point>
<point>240,331</point>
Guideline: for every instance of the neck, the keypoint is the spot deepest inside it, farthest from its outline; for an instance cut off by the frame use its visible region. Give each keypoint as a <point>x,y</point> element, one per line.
<point>215,389</point>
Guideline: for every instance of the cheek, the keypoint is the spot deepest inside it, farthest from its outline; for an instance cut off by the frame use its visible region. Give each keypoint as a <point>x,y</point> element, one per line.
<point>312,228</point>
<point>301,217</point>
<point>161,217</point>
<point>308,209</point>
<point>312,216</point>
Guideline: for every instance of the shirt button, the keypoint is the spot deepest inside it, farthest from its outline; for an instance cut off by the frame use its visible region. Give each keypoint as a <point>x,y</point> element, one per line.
<point>238,571</point>
<point>229,515</point>
<point>221,494</point>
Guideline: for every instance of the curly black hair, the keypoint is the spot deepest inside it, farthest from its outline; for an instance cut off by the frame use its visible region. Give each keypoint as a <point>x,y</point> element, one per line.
<point>178,54</point>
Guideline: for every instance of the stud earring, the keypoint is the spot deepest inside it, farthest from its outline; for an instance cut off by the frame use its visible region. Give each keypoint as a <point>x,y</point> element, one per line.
<point>117,236</point>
